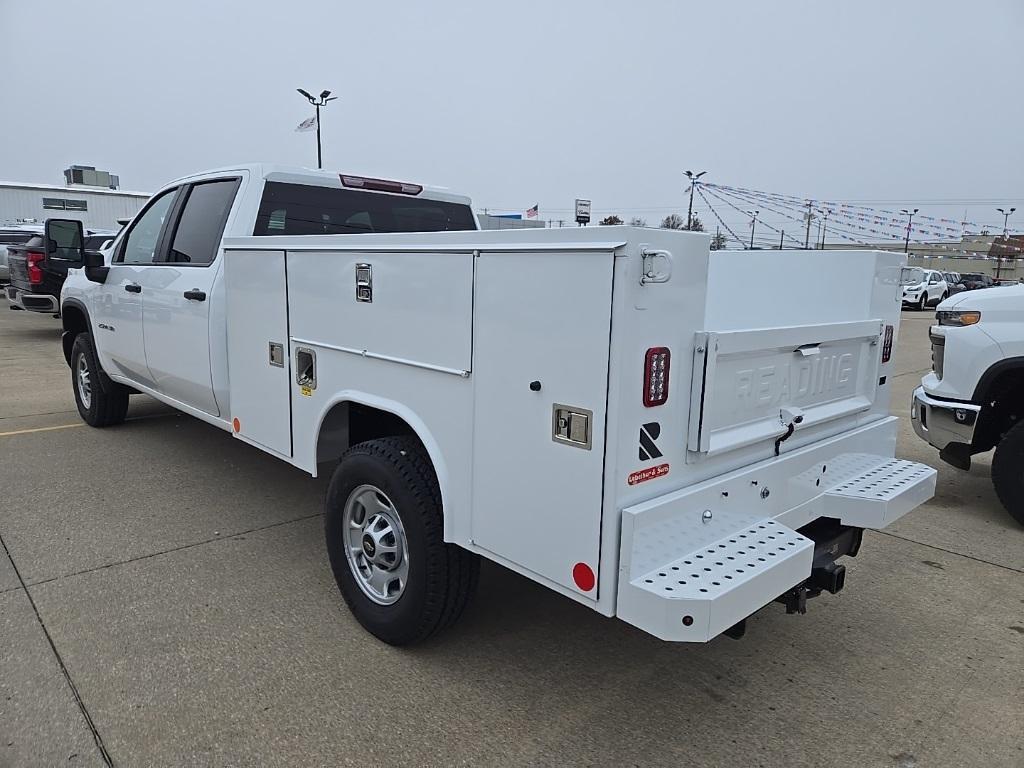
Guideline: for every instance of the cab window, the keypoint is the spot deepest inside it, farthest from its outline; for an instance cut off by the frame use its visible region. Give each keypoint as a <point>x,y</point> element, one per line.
<point>141,242</point>
<point>197,236</point>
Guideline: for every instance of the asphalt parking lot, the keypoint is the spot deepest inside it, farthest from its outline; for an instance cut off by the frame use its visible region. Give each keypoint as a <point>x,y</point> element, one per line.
<point>165,599</point>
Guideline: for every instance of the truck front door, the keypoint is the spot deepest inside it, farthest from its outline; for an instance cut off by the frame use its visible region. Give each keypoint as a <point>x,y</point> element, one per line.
<point>117,302</point>
<point>179,295</point>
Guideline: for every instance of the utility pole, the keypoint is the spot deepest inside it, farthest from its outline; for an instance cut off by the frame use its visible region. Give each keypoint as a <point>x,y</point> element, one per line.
<point>910,219</point>
<point>753,223</point>
<point>325,96</point>
<point>824,226</point>
<point>808,216</point>
<point>782,234</point>
<point>693,184</point>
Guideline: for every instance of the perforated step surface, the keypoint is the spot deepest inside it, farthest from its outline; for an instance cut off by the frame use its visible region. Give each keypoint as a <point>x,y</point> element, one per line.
<point>880,491</point>
<point>724,565</point>
<point>885,481</point>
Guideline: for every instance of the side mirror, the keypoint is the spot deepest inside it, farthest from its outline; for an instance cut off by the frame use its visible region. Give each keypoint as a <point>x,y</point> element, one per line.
<point>64,240</point>
<point>95,267</point>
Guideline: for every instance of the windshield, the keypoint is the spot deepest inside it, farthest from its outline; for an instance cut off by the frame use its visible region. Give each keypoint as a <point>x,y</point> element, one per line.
<point>912,276</point>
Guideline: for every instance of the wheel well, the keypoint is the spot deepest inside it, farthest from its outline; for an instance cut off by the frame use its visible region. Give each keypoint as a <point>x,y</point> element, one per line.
<point>75,322</point>
<point>349,423</point>
<point>1002,406</point>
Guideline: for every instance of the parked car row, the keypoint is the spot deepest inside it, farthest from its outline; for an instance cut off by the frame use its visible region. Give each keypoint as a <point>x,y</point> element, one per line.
<point>923,288</point>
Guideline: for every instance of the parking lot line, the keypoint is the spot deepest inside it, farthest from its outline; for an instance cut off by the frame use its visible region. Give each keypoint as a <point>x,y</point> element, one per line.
<point>40,429</point>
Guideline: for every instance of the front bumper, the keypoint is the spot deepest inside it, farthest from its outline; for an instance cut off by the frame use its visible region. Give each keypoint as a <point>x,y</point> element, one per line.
<point>33,302</point>
<point>942,423</point>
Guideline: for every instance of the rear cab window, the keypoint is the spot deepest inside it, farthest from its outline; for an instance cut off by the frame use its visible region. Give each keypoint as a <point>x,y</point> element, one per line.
<point>301,209</point>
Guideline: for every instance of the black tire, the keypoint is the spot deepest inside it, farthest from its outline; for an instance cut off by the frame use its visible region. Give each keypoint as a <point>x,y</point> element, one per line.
<point>922,305</point>
<point>1007,474</point>
<point>107,400</point>
<point>441,577</point>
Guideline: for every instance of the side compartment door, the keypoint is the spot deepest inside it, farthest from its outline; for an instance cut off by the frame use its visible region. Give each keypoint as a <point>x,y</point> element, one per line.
<point>179,294</point>
<point>540,370</point>
<point>259,368</point>
<point>117,304</point>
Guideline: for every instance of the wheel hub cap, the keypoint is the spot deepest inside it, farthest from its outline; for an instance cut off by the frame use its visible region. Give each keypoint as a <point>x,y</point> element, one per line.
<point>376,547</point>
<point>84,381</point>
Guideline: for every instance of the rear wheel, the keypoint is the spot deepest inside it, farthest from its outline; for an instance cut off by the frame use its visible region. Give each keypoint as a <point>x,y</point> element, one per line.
<point>385,538</point>
<point>1007,477</point>
<point>101,402</point>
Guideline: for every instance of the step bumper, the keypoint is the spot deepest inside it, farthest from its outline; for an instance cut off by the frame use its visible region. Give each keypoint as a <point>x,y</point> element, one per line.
<point>697,561</point>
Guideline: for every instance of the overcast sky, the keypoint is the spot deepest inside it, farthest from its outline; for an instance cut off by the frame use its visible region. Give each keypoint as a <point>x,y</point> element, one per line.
<point>881,102</point>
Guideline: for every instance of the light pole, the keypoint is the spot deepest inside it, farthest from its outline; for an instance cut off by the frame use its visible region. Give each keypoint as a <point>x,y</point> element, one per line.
<point>753,223</point>
<point>910,219</point>
<point>693,183</point>
<point>1006,237</point>
<point>1006,217</point>
<point>325,96</point>
<point>824,225</point>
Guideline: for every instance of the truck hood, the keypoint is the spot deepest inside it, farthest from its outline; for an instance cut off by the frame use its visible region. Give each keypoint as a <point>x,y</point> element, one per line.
<point>998,297</point>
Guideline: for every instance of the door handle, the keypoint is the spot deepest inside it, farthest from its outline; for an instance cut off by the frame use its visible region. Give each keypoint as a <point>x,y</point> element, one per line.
<point>133,287</point>
<point>195,295</point>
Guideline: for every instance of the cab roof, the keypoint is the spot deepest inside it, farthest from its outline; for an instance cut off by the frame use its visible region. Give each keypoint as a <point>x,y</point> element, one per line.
<point>295,174</point>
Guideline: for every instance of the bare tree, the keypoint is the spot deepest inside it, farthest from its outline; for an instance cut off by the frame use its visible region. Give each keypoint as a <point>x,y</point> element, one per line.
<point>613,219</point>
<point>673,221</point>
<point>637,221</point>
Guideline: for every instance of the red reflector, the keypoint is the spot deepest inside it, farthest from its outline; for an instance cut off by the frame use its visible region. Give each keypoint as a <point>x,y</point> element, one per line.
<point>583,575</point>
<point>32,259</point>
<point>887,344</point>
<point>656,365</point>
<point>381,185</point>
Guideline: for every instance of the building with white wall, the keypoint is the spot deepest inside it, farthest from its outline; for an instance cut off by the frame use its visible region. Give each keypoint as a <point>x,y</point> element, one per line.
<point>95,207</point>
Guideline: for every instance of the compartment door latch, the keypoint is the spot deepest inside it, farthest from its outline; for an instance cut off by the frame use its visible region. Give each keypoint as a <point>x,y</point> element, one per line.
<point>364,283</point>
<point>572,426</point>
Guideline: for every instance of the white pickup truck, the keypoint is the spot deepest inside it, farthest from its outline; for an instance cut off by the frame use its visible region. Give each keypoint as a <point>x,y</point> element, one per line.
<point>609,411</point>
<point>973,399</point>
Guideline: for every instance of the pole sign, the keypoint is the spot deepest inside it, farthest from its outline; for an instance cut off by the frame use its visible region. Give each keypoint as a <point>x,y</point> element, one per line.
<point>582,211</point>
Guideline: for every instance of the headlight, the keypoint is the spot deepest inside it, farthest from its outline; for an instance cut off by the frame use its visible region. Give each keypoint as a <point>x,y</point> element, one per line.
<point>953,317</point>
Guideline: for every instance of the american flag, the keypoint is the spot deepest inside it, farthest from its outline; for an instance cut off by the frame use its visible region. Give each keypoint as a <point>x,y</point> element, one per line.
<point>531,213</point>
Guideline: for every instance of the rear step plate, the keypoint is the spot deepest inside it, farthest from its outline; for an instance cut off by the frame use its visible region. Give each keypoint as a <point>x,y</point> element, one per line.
<point>872,491</point>
<point>700,595</point>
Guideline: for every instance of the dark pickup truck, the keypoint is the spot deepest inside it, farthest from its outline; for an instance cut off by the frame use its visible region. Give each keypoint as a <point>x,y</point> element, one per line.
<point>37,272</point>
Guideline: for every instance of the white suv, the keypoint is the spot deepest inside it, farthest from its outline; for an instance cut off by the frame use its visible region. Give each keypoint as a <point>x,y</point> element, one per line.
<point>923,287</point>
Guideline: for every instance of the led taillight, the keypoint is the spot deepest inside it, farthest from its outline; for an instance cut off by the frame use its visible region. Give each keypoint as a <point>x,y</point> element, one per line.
<point>35,272</point>
<point>656,365</point>
<point>887,344</point>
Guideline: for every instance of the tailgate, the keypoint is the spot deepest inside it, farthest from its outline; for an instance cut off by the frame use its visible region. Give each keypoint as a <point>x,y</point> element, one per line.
<point>748,386</point>
<point>18,269</point>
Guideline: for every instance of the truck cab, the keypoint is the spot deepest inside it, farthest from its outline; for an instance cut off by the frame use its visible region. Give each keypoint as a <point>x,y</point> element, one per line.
<point>160,294</point>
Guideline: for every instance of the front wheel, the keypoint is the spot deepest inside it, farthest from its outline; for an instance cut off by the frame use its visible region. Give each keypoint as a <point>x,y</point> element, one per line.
<point>385,539</point>
<point>100,403</point>
<point>922,305</point>
<point>1006,472</point>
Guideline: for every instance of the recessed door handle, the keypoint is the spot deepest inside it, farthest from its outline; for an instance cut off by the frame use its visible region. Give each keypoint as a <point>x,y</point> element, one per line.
<point>133,287</point>
<point>195,295</point>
